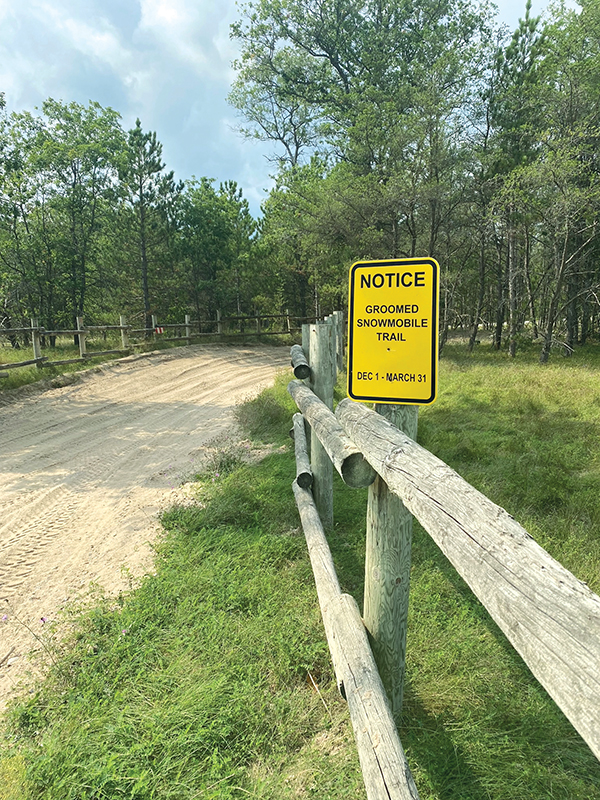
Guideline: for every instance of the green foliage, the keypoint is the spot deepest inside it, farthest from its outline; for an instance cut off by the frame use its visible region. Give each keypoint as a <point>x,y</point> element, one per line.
<point>408,129</point>
<point>92,223</point>
<point>57,178</point>
<point>150,197</point>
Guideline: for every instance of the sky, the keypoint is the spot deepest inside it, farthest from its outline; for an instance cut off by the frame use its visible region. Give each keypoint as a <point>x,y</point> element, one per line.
<point>167,62</point>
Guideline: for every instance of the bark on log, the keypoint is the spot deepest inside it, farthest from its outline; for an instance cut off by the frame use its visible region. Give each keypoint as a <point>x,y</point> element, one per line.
<point>299,362</point>
<point>71,332</point>
<point>384,766</point>
<point>550,617</point>
<point>344,454</point>
<point>387,569</point>
<point>304,476</point>
<point>31,361</point>
<point>322,382</point>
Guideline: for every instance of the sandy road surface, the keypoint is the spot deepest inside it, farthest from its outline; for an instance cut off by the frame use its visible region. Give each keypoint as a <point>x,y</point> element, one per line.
<point>85,468</point>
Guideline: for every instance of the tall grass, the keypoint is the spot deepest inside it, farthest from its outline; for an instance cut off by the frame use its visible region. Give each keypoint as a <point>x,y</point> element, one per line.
<point>201,682</point>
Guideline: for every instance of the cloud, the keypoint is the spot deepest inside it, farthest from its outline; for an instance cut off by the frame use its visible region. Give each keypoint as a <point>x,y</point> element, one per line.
<point>192,32</point>
<point>167,62</point>
<point>101,42</point>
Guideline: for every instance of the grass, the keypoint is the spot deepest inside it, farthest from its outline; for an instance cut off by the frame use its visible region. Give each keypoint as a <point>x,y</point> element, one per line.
<point>64,349</point>
<point>199,683</point>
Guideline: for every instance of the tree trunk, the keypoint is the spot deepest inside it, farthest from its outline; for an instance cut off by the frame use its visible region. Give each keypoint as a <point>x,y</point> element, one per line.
<point>501,305</point>
<point>480,296</point>
<point>572,322</point>
<point>144,266</point>
<point>560,263</point>
<point>512,288</point>
<point>530,295</point>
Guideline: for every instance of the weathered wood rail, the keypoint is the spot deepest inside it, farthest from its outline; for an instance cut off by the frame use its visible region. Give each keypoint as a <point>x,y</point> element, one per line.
<point>384,766</point>
<point>345,456</point>
<point>550,617</point>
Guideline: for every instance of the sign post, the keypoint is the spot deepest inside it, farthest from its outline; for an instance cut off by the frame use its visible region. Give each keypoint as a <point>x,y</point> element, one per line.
<point>392,361</point>
<point>393,331</point>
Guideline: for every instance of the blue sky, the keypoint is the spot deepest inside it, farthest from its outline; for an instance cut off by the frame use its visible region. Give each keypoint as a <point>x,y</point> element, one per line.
<point>167,62</point>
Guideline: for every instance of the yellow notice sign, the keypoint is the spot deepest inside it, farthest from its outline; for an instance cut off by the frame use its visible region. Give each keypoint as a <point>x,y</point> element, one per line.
<point>393,331</point>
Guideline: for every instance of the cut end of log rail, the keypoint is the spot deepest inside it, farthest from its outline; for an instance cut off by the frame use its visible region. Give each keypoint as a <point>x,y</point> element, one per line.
<point>348,460</point>
<point>357,472</point>
<point>299,362</point>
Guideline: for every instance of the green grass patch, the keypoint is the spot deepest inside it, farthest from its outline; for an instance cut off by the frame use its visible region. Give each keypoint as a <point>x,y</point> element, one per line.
<point>63,350</point>
<point>197,684</point>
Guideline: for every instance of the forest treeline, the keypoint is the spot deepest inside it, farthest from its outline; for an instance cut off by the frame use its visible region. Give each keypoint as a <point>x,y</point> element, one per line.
<point>400,128</point>
<point>92,224</point>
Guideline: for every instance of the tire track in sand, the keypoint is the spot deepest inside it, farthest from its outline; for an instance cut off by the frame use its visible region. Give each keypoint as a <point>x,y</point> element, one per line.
<point>85,468</point>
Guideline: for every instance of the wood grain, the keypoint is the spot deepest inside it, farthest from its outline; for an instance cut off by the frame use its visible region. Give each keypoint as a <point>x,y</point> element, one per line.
<point>550,617</point>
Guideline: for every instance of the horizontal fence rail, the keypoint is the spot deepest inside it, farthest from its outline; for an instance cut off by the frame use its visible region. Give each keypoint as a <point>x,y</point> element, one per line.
<point>384,766</point>
<point>549,616</point>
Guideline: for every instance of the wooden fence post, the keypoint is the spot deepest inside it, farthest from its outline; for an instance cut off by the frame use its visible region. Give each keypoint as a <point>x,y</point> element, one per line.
<point>387,569</point>
<point>322,381</point>
<point>81,337</point>
<point>306,340</point>
<point>307,381</point>
<point>188,330</point>
<point>339,321</point>
<point>124,332</point>
<point>219,323</point>
<point>36,343</point>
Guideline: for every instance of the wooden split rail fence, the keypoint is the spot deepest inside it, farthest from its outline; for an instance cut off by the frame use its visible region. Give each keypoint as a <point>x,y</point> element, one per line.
<point>37,334</point>
<point>549,616</point>
<point>187,331</point>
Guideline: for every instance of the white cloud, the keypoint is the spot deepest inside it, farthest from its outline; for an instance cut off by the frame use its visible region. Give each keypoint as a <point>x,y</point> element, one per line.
<point>173,23</point>
<point>99,41</point>
<point>196,33</point>
<point>5,9</point>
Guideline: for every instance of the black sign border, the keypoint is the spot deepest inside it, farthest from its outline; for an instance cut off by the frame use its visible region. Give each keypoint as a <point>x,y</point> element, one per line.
<point>392,262</point>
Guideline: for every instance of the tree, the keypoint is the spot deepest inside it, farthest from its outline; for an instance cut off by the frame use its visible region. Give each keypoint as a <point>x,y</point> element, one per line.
<point>150,196</point>
<point>59,173</point>
<point>379,91</point>
<point>203,243</point>
<point>239,272</point>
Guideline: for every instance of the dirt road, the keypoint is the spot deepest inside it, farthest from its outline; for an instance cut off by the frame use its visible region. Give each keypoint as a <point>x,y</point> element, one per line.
<point>84,470</point>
